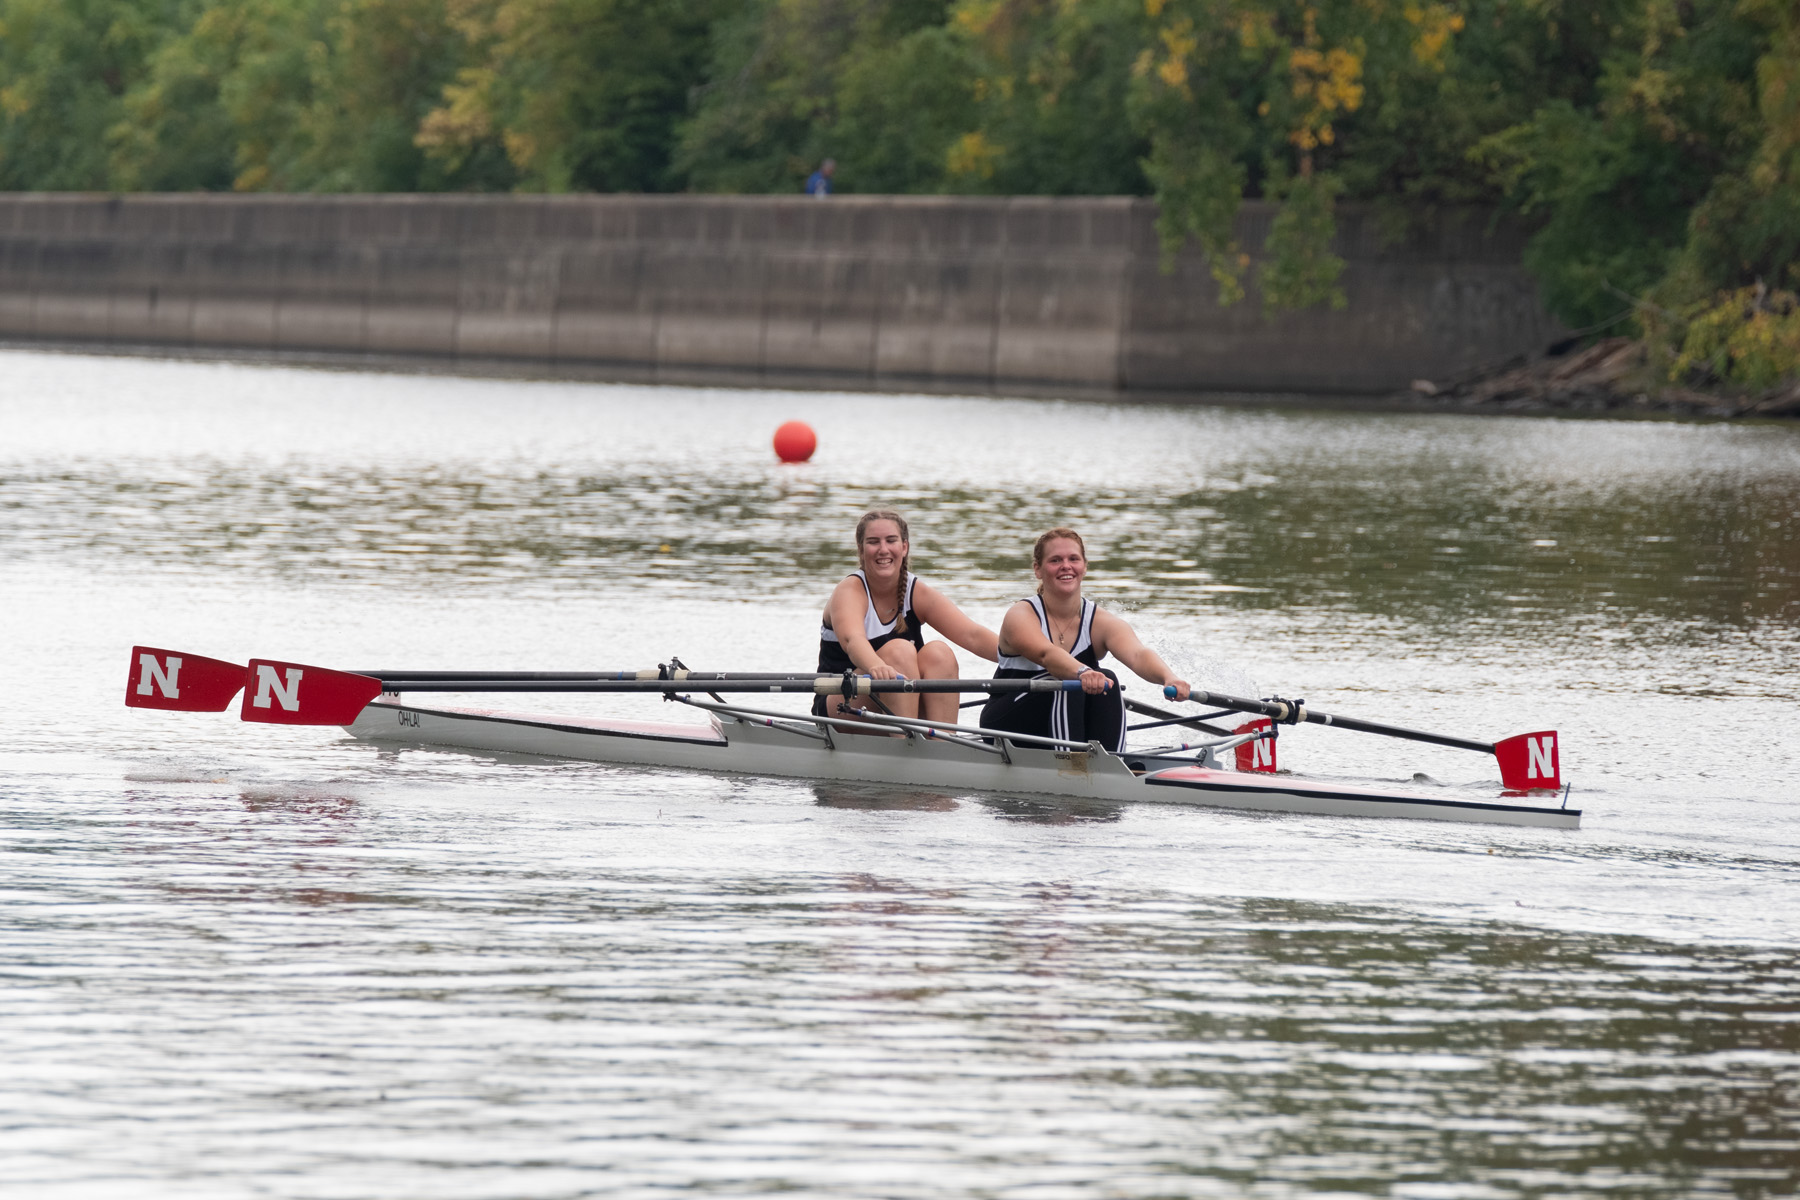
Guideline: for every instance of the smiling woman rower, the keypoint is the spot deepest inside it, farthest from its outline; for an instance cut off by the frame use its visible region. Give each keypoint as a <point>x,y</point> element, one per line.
<point>874,625</point>
<point>1061,633</point>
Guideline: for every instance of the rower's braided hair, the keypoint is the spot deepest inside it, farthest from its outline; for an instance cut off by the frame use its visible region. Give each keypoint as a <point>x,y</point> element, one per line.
<point>1037,550</point>
<point>862,526</point>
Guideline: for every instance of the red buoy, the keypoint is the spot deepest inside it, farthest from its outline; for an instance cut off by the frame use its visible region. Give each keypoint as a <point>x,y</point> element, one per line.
<point>795,442</point>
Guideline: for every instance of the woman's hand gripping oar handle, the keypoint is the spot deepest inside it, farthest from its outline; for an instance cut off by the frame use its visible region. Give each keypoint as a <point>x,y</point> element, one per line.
<point>1528,761</point>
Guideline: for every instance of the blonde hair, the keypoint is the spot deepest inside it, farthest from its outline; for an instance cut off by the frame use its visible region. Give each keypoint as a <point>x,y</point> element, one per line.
<point>862,527</point>
<point>1037,550</point>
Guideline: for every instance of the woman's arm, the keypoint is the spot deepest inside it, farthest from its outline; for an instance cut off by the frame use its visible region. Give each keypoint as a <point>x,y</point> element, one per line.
<point>937,611</point>
<point>1021,631</point>
<point>1113,636</point>
<point>848,606</point>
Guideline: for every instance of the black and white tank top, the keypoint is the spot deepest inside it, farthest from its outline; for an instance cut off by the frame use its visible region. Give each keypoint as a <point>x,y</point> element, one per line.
<point>1017,666</point>
<point>832,657</point>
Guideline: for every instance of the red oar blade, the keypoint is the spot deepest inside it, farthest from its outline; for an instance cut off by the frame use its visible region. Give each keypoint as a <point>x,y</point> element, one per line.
<point>175,679</point>
<point>1530,762</point>
<point>1258,755</point>
<point>283,693</point>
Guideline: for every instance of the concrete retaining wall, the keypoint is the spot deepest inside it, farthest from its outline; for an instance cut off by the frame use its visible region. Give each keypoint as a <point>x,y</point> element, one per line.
<point>863,292</point>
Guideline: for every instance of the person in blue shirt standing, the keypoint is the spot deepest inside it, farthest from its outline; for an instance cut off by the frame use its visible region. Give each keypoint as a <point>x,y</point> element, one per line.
<point>819,182</point>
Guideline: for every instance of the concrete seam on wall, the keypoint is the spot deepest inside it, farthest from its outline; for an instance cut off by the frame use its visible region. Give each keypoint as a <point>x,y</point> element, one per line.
<point>879,274</point>
<point>1122,353</point>
<point>1000,292</point>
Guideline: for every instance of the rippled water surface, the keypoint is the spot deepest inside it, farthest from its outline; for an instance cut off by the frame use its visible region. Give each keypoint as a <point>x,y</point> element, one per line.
<point>265,961</point>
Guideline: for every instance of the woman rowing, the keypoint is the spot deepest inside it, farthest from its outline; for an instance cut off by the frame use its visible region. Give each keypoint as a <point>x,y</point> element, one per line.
<point>1062,634</point>
<point>874,625</point>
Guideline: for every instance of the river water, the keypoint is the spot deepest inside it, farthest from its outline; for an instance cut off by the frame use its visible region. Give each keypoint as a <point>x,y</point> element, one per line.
<point>266,961</point>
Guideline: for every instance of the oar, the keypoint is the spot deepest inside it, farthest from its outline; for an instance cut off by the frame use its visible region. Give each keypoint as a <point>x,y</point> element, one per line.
<point>1528,761</point>
<point>1170,718</point>
<point>391,675</point>
<point>186,682</point>
<point>287,693</point>
<point>811,685</point>
<point>175,679</point>
<point>183,682</point>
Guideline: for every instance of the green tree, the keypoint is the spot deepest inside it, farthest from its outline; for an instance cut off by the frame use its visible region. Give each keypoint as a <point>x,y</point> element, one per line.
<point>293,95</point>
<point>881,86</point>
<point>1053,98</point>
<point>65,67</point>
<point>1728,308</point>
<point>576,94</point>
<point>1612,178</point>
<point>1242,97</point>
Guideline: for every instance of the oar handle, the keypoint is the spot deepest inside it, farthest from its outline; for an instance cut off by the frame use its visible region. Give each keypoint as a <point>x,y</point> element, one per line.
<point>1292,712</point>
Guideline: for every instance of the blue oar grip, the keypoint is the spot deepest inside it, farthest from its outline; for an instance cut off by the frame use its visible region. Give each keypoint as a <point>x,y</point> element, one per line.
<point>1168,691</point>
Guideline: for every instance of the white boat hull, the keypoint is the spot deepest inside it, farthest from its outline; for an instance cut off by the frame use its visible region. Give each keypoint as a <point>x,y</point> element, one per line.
<point>742,746</point>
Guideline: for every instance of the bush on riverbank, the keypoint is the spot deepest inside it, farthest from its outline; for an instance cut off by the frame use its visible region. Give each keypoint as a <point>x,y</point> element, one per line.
<point>1655,145</point>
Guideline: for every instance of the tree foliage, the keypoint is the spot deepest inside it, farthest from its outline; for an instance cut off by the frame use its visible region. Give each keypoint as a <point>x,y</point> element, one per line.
<point>65,68</point>
<point>574,95</point>
<point>1652,145</point>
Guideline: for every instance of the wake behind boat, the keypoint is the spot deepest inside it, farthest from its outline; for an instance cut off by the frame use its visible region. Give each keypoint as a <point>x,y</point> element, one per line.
<point>1224,768</point>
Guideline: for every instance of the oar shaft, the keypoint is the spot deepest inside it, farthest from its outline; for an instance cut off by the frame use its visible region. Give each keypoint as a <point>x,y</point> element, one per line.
<point>1400,731</point>
<point>573,676</point>
<point>812,685</point>
<point>1171,718</point>
<point>1283,710</point>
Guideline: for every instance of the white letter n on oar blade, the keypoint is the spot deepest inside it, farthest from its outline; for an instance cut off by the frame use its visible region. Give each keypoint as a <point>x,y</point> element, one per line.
<point>175,679</point>
<point>282,693</point>
<point>1530,762</point>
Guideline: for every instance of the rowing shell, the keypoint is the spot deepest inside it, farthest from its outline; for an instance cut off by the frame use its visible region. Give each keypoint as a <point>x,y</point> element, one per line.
<point>739,741</point>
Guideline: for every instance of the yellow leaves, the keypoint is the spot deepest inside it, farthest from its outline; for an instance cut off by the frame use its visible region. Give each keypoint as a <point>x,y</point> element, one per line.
<point>466,116</point>
<point>1649,94</point>
<point>473,19</point>
<point>978,18</point>
<point>253,179</point>
<point>1330,80</point>
<point>1778,100</point>
<point>1435,25</point>
<point>1325,82</point>
<point>504,30</point>
<point>521,148</point>
<point>1256,29</point>
<point>1179,41</point>
<point>1750,336</point>
<point>973,156</point>
<point>219,24</point>
<point>15,101</point>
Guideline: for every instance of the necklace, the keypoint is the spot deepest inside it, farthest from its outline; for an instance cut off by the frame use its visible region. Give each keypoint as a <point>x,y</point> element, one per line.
<point>882,609</point>
<point>1066,638</point>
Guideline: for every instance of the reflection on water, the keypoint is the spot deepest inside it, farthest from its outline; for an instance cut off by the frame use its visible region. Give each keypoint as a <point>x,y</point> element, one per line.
<point>1051,811</point>
<point>438,1003</point>
<point>1393,533</point>
<point>873,798</point>
<point>249,960</point>
<point>1445,518</point>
